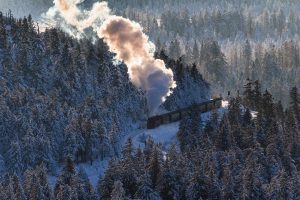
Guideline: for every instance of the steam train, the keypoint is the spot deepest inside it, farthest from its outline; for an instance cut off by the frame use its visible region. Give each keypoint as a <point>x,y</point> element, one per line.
<point>175,116</point>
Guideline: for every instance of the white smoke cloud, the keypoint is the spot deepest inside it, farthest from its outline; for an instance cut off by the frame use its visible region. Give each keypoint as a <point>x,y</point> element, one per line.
<point>126,39</point>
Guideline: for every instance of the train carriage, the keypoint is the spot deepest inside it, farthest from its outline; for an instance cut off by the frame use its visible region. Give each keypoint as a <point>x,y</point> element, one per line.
<point>175,116</point>
<point>203,108</point>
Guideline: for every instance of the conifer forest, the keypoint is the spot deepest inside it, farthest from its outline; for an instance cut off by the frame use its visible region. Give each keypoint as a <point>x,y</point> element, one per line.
<point>80,81</point>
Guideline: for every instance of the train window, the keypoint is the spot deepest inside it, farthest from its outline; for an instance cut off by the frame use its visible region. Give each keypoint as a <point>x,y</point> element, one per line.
<point>175,117</point>
<point>184,113</point>
<point>166,119</point>
<point>210,106</point>
<point>202,108</point>
<point>157,123</point>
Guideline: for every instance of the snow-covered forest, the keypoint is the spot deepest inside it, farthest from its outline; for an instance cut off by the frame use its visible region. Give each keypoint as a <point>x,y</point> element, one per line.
<point>229,40</point>
<point>73,125</point>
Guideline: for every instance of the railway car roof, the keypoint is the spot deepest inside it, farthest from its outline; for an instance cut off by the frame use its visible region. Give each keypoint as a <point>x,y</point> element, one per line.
<point>185,109</point>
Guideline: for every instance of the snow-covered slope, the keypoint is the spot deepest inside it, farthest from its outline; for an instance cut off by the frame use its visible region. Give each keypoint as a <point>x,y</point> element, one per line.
<point>166,134</point>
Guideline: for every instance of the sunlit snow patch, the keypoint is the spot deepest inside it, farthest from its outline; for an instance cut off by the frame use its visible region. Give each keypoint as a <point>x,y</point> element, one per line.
<point>165,135</point>
<point>225,104</point>
<point>254,114</point>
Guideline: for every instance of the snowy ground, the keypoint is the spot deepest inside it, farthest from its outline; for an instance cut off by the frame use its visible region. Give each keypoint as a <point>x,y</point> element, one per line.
<point>164,135</point>
<point>94,172</point>
<point>254,114</point>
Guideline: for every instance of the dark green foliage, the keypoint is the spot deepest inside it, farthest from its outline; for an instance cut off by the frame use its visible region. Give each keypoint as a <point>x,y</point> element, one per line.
<point>190,130</point>
<point>213,61</point>
<point>250,157</point>
<point>295,102</point>
<point>191,86</point>
<point>225,139</point>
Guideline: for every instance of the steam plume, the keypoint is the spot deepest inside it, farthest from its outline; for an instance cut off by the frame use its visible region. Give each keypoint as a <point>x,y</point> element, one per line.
<point>127,40</point>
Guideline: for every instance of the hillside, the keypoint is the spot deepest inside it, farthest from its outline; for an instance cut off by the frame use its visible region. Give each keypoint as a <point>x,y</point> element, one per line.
<point>75,98</point>
<point>62,97</point>
<point>229,40</point>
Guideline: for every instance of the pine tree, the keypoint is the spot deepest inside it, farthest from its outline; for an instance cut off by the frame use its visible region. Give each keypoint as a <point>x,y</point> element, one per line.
<point>2,165</point>
<point>212,125</point>
<point>214,61</point>
<point>111,175</point>
<point>128,150</point>
<point>248,95</point>
<point>87,190</point>
<point>257,96</point>
<point>267,105</point>
<point>158,45</point>
<point>14,158</point>
<point>33,188</point>
<point>174,49</point>
<point>67,185</point>
<point>42,175</point>
<point>224,139</point>
<point>3,194</point>
<point>114,138</point>
<point>295,102</point>
<point>118,192</point>
<point>145,190</point>
<point>29,148</point>
<point>54,42</point>
<point>17,188</point>
<point>190,130</point>
<point>234,111</point>
<point>247,117</point>
<point>247,57</point>
<point>196,53</point>
<point>154,166</point>
<point>168,184</point>
<point>74,141</point>
<point>64,192</point>
<point>3,36</point>
<point>254,188</point>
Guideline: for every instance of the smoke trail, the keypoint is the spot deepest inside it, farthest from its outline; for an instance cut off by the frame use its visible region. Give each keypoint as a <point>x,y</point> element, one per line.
<point>127,40</point>
<point>69,17</point>
<point>132,46</point>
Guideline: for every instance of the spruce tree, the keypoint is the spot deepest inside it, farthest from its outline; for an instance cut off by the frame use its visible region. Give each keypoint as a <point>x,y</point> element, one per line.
<point>118,192</point>
<point>154,166</point>
<point>295,102</point>
<point>248,96</point>
<point>145,190</point>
